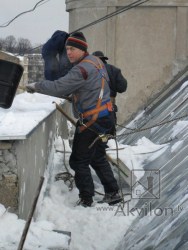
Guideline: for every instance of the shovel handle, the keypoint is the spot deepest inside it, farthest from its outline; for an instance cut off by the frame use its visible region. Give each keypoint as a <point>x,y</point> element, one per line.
<point>58,107</point>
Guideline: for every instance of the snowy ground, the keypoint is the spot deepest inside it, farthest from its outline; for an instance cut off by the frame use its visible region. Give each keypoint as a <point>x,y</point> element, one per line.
<point>100,227</point>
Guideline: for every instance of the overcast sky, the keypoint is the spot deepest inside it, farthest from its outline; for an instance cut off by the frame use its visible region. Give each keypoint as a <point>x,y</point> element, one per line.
<point>37,26</point>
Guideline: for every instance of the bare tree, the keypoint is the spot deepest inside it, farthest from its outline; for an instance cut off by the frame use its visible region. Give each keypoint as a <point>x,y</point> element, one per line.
<point>23,46</point>
<point>20,46</point>
<point>1,44</point>
<point>10,43</point>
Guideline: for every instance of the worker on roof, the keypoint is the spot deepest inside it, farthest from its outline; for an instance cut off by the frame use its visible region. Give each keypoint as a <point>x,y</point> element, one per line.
<point>87,82</point>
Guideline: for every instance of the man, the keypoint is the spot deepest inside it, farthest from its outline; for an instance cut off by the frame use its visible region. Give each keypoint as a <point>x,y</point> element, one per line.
<point>87,82</point>
<point>117,84</point>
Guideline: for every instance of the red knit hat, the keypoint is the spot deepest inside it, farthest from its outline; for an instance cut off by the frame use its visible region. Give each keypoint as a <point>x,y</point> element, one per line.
<point>77,40</point>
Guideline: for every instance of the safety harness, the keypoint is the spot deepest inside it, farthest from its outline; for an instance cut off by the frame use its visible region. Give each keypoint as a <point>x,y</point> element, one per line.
<point>94,113</point>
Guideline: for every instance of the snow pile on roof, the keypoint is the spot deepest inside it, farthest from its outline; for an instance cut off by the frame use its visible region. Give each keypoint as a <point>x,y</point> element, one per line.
<point>26,112</point>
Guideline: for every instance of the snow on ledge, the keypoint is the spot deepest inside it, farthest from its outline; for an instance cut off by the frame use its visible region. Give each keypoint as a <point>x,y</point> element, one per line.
<point>25,114</point>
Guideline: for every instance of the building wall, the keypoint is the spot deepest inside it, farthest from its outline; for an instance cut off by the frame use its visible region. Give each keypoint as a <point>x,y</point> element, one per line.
<point>33,155</point>
<point>24,80</point>
<point>35,68</point>
<point>23,162</point>
<point>149,43</point>
<point>33,65</point>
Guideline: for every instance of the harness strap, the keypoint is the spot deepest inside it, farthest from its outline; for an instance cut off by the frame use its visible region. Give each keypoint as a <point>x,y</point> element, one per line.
<point>107,105</point>
<point>95,112</point>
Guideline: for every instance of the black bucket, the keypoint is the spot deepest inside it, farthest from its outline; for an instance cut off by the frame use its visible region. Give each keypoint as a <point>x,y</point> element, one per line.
<point>10,75</point>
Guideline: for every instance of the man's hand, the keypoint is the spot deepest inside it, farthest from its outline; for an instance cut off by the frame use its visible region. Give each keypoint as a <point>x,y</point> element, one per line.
<point>30,88</point>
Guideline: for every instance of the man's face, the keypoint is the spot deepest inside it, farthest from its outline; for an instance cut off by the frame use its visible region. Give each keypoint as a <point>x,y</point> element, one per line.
<point>74,54</point>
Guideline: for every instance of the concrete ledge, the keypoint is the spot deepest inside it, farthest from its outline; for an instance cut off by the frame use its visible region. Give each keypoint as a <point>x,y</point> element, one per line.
<point>33,156</point>
<point>25,115</point>
<point>74,4</point>
<point>27,134</point>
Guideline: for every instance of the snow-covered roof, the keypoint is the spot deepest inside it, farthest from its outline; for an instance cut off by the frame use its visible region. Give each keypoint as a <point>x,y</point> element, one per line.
<point>161,223</point>
<point>153,223</point>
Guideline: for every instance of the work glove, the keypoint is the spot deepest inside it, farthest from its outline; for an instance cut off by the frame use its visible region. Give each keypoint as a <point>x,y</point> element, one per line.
<point>30,88</point>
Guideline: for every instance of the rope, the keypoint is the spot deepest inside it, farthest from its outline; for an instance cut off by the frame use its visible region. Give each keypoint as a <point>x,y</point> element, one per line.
<point>153,126</point>
<point>126,8</point>
<point>121,126</point>
<point>22,13</point>
<point>66,175</point>
<point>64,157</point>
<point>119,175</point>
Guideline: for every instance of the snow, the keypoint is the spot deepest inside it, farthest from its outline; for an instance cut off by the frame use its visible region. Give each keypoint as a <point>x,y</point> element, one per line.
<point>184,85</point>
<point>25,113</point>
<point>179,127</point>
<point>97,228</point>
<point>132,124</point>
<point>40,233</point>
<point>175,147</point>
<point>134,157</point>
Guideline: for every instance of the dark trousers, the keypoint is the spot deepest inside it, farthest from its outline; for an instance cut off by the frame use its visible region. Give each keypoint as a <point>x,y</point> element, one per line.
<point>82,157</point>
